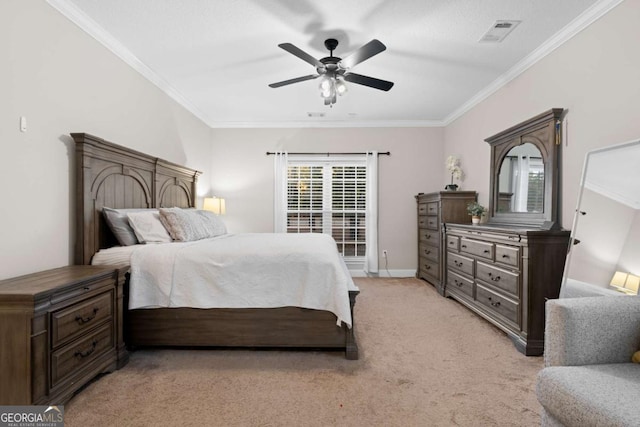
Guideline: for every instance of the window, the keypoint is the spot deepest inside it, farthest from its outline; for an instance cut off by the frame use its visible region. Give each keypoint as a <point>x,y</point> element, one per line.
<point>330,195</point>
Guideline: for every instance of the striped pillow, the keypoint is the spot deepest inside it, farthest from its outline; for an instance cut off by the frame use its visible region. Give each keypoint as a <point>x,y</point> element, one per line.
<point>186,225</point>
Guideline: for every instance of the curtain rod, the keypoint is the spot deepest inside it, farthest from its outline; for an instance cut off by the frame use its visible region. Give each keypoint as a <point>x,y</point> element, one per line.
<point>386,153</point>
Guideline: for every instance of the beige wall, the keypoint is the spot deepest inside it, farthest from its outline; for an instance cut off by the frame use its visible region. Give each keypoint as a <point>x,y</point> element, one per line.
<point>63,81</point>
<point>243,175</point>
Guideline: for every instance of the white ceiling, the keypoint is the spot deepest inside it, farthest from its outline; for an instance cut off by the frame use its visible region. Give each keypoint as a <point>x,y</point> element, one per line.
<point>217,57</point>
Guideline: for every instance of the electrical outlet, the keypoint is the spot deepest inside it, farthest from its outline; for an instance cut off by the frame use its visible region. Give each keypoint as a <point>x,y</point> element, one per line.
<point>384,253</point>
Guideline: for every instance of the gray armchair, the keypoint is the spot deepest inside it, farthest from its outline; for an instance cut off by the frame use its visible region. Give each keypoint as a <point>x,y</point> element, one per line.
<point>588,379</point>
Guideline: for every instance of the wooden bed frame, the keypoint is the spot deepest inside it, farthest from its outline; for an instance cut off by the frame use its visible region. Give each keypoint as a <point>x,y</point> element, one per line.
<point>111,175</point>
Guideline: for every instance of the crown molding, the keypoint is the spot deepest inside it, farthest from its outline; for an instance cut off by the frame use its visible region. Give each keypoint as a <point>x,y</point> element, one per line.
<point>75,15</point>
<point>588,17</point>
<point>328,124</point>
<point>91,27</point>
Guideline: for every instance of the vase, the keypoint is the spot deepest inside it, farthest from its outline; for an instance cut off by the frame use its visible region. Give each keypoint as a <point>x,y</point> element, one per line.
<point>475,219</point>
<point>451,187</point>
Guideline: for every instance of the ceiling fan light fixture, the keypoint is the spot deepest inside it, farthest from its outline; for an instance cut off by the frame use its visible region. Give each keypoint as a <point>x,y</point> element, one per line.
<point>327,87</point>
<point>341,87</point>
<point>332,70</point>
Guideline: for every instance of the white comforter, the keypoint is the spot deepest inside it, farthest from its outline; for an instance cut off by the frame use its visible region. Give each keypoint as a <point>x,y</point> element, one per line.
<point>260,270</point>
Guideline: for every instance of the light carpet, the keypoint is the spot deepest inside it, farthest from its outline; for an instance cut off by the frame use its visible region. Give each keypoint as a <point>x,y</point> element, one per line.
<point>424,360</point>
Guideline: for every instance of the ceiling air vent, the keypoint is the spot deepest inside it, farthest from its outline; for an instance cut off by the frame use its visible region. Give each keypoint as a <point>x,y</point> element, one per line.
<point>499,30</point>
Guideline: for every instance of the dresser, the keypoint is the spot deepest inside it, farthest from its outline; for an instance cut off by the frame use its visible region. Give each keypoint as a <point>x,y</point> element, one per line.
<point>59,328</point>
<point>505,275</point>
<point>435,209</point>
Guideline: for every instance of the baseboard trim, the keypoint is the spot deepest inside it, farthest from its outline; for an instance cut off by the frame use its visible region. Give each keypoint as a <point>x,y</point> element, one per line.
<point>384,273</point>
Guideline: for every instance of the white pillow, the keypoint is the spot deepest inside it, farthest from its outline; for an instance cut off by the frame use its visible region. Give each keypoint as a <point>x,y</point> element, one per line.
<point>186,225</point>
<point>148,227</point>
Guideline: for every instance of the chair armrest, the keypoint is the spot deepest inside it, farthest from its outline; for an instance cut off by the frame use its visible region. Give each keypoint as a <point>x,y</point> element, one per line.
<point>591,330</point>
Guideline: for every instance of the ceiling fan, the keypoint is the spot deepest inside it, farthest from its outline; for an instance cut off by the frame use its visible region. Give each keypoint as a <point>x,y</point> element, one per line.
<point>334,71</point>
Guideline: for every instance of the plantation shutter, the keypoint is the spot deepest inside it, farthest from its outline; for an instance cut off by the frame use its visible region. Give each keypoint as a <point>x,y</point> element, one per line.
<point>329,196</point>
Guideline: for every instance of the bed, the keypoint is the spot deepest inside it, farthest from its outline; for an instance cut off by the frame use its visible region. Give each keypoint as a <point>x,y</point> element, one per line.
<point>110,175</point>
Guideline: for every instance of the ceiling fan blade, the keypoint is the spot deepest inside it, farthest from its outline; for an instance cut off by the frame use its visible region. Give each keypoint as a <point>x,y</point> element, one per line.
<point>296,80</point>
<point>370,49</point>
<point>301,54</point>
<point>368,81</point>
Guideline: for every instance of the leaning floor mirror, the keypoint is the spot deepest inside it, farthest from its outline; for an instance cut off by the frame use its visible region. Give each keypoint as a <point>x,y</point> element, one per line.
<point>604,257</point>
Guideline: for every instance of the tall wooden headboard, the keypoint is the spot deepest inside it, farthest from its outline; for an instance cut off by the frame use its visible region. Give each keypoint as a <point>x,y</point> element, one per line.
<point>110,175</point>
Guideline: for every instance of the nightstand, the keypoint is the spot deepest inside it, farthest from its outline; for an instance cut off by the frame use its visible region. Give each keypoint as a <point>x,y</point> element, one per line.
<point>59,329</point>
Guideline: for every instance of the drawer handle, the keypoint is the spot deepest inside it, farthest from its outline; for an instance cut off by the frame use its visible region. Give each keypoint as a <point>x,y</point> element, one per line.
<point>427,267</point>
<point>82,320</point>
<point>464,246</point>
<point>457,263</point>
<point>83,354</point>
<point>427,236</point>
<point>505,256</point>
<point>459,284</point>
<point>486,251</point>
<point>427,252</point>
<point>495,304</point>
<point>494,278</point>
<point>452,243</point>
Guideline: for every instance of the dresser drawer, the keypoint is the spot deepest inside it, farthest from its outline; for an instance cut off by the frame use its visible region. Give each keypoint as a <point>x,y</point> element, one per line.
<point>428,236</point>
<point>423,221</point>
<point>429,267</point>
<point>432,222</point>
<point>432,208</point>
<point>458,283</point>
<point>422,208</point>
<point>453,243</point>
<point>508,255</point>
<point>74,320</point>
<point>458,262</point>
<point>80,353</point>
<point>430,252</point>
<point>497,303</point>
<point>477,248</point>
<point>503,279</point>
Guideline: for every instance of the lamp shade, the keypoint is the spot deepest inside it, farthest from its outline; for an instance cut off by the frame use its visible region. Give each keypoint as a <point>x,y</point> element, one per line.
<point>625,282</point>
<point>215,205</point>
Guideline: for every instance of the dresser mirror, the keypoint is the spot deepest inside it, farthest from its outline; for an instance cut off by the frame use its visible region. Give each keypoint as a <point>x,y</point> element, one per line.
<point>524,173</point>
<point>605,255</point>
<point>521,180</point>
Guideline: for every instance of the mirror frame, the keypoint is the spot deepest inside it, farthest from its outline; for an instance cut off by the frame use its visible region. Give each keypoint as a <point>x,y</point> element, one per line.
<point>577,287</point>
<point>544,132</point>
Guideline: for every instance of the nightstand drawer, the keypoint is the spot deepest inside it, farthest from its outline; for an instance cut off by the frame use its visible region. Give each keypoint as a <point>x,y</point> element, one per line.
<point>80,317</point>
<point>80,353</point>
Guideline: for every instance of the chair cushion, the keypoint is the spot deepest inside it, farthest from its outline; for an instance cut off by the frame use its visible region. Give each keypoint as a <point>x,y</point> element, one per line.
<point>602,395</point>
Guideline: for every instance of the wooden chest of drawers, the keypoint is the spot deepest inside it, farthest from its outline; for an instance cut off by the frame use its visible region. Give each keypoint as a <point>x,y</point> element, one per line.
<point>434,209</point>
<point>60,328</point>
<point>505,275</point>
